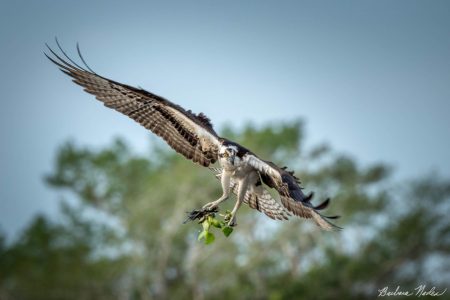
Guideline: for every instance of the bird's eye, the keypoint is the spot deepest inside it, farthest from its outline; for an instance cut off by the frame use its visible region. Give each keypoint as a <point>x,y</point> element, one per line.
<point>226,154</point>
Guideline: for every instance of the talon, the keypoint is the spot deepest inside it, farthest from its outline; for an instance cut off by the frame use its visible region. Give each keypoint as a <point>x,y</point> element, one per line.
<point>210,206</point>
<point>232,222</point>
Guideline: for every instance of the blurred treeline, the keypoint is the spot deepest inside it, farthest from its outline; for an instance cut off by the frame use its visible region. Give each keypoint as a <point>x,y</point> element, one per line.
<point>120,233</point>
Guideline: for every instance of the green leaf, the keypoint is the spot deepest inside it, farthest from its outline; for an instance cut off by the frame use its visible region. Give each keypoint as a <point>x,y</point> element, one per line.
<point>227,231</point>
<point>216,223</point>
<point>205,225</point>
<point>209,238</point>
<point>202,235</point>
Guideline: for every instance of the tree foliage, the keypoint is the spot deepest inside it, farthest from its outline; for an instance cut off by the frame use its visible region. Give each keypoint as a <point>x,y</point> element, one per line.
<point>120,233</point>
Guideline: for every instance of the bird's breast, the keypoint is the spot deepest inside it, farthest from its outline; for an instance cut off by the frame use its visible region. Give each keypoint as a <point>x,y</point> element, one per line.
<point>226,164</point>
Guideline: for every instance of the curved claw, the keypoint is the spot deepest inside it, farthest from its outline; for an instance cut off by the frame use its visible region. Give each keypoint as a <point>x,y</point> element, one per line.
<point>232,222</point>
<point>210,206</point>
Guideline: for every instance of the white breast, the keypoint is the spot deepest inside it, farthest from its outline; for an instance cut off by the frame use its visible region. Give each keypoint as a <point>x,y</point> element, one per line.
<point>226,164</point>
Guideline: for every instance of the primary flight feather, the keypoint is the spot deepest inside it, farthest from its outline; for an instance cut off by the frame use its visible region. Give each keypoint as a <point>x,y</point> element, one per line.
<point>192,135</point>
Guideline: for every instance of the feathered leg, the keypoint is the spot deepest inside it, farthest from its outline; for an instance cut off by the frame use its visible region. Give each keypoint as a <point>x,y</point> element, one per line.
<point>225,180</point>
<point>243,186</point>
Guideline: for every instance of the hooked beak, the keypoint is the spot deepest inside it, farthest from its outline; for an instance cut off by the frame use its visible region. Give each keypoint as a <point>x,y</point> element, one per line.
<point>232,159</point>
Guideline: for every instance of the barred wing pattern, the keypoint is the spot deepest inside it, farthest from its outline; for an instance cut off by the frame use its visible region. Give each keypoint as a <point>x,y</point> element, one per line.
<point>258,198</point>
<point>187,133</point>
<point>193,136</point>
<point>291,194</point>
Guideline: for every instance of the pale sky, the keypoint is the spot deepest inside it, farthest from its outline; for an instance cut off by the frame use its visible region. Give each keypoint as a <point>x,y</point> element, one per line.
<point>372,78</point>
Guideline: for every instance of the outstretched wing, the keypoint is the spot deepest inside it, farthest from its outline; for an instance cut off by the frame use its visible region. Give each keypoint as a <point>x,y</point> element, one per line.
<point>187,133</point>
<point>291,194</point>
<point>258,198</point>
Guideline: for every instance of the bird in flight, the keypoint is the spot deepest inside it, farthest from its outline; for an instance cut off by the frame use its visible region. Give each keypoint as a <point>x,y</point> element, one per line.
<point>192,135</point>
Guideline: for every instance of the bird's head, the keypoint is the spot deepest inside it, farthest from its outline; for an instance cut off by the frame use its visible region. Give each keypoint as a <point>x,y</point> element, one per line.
<point>228,152</point>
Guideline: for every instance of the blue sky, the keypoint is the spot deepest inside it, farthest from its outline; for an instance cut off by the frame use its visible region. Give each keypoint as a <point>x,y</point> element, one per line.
<point>372,78</point>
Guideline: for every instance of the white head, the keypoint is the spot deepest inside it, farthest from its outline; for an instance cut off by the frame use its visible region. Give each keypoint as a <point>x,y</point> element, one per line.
<point>228,152</point>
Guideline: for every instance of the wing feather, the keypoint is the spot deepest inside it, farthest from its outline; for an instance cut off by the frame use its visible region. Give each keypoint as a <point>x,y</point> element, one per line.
<point>187,133</point>
<point>291,194</point>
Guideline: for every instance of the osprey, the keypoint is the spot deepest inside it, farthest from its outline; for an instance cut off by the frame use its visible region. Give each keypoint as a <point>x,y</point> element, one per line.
<point>241,171</point>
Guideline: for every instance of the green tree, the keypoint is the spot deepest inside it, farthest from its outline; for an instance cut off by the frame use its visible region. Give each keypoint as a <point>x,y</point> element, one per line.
<point>55,261</point>
<point>123,238</point>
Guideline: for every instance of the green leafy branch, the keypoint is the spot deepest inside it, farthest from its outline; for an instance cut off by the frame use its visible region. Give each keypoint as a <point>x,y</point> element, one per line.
<point>209,222</point>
